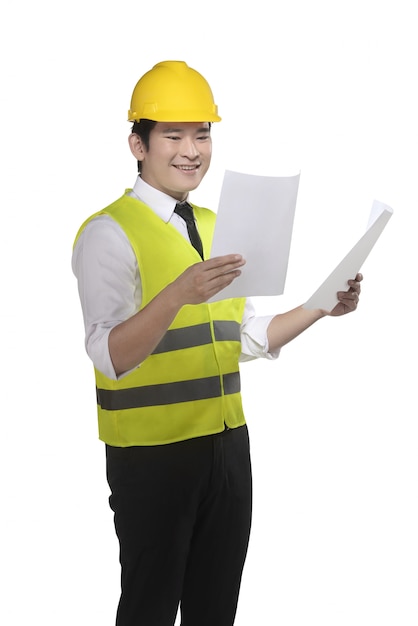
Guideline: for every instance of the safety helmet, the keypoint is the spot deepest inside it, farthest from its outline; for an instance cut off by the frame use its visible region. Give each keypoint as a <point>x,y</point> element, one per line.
<point>173,92</point>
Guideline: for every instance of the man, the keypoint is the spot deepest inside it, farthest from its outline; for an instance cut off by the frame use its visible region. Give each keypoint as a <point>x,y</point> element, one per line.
<point>167,365</point>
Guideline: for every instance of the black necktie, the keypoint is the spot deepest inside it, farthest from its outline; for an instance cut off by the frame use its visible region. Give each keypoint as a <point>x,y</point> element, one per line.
<point>186,212</point>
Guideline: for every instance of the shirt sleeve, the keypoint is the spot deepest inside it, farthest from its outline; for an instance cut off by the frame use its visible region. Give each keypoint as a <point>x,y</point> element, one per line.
<point>108,284</point>
<point>254,342</point>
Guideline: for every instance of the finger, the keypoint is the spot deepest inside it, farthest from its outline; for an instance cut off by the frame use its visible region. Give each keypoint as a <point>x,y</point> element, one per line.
<point>354,285</point>
<point>224,279</point>
<point>220,261</point>
<point>219,268</point>
<point>350,299</point>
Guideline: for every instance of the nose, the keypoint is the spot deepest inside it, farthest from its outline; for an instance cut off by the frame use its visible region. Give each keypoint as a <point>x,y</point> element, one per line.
<point>189,148</point>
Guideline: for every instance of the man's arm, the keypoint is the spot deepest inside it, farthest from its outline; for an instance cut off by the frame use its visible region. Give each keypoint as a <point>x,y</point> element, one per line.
<point>134,339</point>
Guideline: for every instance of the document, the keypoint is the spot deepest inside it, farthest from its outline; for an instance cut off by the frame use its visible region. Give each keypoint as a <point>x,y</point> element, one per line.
<point>255,219</point>
<point>325,297</point>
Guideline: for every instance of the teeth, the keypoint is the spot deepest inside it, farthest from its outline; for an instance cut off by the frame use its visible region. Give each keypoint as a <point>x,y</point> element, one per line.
<point>186,167</point>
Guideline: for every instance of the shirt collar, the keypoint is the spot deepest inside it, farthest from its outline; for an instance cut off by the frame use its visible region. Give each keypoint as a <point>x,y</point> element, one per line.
<point>161,203</point>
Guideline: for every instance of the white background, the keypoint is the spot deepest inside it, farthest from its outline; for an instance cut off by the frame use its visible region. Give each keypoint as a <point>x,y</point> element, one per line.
<point>327,87</point>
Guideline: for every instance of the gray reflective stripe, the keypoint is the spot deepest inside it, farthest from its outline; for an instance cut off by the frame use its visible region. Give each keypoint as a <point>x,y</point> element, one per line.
<point>180,338</point>
<point>167,393</point>
<point>232,383</point>
<point>227,331</point>
<point>199,335</point>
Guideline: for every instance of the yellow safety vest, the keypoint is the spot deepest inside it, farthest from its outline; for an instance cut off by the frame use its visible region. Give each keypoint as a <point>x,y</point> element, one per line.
<point>190,385</point>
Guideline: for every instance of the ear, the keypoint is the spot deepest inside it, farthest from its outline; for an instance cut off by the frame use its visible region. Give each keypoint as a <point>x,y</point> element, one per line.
<point>137,147</point>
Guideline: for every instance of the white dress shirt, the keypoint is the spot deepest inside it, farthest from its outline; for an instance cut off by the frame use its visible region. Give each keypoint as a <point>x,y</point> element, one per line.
<point>109,283</point>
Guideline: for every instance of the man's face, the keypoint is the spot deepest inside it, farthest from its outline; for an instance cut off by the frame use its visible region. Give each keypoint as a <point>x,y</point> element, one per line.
<point>178,157</point>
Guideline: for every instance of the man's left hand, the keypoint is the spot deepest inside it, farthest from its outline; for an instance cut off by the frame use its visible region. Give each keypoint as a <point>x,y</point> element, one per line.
<point>348,300</point>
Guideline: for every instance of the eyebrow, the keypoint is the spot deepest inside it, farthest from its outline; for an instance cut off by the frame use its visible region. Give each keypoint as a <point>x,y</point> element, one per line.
<point>181,130</point>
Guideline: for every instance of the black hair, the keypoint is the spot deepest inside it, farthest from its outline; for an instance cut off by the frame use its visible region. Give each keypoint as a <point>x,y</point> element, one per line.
<point>143,129</point>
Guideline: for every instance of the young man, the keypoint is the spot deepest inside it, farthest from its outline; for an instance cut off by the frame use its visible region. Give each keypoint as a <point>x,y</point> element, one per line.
<point>167,365</point>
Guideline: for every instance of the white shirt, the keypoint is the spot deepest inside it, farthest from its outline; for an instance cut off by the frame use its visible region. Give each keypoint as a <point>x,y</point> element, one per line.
<point>109,283</point>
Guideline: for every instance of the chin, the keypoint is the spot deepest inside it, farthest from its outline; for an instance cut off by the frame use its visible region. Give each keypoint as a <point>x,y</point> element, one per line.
<point>190,186</point>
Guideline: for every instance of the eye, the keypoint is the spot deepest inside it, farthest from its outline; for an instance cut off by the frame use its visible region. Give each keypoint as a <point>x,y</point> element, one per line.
<point>173,137</point>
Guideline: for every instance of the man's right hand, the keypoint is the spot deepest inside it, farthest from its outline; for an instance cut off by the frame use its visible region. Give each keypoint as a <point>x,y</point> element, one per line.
<point>199,282</point>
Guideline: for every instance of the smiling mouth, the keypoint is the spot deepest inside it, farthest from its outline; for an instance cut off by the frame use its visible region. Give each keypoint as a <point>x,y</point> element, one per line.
<point>187,168</point>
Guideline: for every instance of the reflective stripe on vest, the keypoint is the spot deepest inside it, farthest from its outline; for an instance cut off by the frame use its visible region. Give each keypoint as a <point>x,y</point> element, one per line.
<point>168,393</point>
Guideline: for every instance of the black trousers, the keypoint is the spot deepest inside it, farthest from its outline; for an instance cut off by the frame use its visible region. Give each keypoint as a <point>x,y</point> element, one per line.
<point>182,515</point>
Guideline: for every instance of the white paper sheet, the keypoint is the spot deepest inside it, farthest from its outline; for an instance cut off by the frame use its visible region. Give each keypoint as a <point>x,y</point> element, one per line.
<point>325,297</point>
<point>255,218</point>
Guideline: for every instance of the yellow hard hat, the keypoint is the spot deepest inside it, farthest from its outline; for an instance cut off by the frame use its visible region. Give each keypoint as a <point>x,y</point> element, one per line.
<point>173,92</point>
